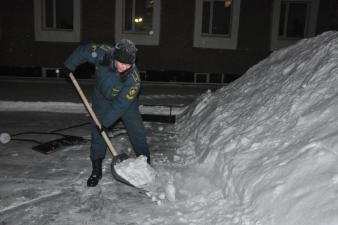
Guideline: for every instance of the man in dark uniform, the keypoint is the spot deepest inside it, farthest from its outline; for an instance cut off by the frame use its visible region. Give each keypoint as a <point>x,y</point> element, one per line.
<point>115,96</point>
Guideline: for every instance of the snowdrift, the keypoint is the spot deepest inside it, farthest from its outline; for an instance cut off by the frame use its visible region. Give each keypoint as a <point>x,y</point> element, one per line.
<point>269,141</point>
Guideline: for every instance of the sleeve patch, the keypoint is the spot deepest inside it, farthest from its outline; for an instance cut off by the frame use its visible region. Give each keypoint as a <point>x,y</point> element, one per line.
<point>94,53</point>
<point>105,47</point>
<point>94,47</point>
<point>115,91</point>
<point>132,92</point>
<point>136,76</point>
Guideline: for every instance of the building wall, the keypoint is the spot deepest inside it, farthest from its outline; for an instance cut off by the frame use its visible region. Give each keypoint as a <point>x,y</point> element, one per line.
<point>328,16</point>
<point>175,52</point>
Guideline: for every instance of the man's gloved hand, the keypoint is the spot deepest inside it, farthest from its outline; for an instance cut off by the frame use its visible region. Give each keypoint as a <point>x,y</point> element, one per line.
<point>102,129</point>
<point>67,71</point>
<point>107,59</point>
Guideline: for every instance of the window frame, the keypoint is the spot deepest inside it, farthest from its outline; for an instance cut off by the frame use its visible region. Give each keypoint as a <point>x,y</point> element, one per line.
<point>216,41</point>
<point>139,38</point>
<point>1,27</point>
<point>56,35</point>
<point>310,26</point>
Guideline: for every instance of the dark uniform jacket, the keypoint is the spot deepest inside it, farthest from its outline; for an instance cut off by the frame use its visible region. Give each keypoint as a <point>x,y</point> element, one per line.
<point>114,93</point>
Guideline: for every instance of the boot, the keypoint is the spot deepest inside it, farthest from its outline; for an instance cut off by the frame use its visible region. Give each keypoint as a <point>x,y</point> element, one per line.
<point>96,175</point>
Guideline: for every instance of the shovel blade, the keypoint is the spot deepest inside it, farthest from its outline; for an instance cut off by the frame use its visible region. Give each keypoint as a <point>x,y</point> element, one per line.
<point>117,159</point>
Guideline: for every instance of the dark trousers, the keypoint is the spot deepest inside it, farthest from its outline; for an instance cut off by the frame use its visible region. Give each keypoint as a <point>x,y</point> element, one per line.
<point>133,122</point>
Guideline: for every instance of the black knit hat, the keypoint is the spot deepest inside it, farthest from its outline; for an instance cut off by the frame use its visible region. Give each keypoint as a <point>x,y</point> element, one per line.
<point>125,52</point>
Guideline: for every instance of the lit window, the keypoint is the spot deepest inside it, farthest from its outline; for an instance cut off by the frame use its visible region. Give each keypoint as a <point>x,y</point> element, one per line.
<point>138,20</point>
<point>293,20</point>
<point>57,20</point>
<point>138,16</point>
<point>216,24</point>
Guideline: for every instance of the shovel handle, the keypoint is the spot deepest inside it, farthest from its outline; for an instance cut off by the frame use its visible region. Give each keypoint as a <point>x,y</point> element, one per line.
<point>92,114</point>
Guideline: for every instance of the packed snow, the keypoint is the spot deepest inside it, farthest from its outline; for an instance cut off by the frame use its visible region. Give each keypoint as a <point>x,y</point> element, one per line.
<point>268,142</point>
<point>262,150</point>
<point>136,171</point>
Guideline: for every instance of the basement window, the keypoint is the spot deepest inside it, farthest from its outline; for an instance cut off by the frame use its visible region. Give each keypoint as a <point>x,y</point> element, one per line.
<point>201,77</point>
<point>216,24</point>
<point>216,78</point>
<point>48,72</point>
<point>57,20</point>
<point>138,20</point>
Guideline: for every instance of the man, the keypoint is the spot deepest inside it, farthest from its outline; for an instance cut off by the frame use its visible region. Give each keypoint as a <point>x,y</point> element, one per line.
<point>115,96</point>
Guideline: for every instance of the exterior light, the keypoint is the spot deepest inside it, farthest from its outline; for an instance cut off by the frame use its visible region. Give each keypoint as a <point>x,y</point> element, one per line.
<point>227,3</point>
<point>138,20</point>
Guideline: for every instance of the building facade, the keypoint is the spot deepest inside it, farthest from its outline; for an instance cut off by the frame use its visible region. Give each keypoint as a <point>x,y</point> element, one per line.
<point>178,40</point>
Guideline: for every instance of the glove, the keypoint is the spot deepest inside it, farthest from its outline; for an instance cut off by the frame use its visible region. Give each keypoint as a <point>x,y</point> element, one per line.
<point>102,129</point>
<point>107,59</point>
<point>67,71</point>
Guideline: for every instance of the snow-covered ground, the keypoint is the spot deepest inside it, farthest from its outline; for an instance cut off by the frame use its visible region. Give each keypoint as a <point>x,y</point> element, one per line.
<point>260,151</point>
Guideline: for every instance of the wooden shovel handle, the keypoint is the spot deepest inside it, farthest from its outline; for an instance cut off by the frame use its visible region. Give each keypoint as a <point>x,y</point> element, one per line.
<point>92,114</point>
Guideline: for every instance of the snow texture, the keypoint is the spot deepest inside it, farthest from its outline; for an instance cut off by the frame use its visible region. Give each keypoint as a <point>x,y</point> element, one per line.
<point>262,150</point>
<point>268,142</point>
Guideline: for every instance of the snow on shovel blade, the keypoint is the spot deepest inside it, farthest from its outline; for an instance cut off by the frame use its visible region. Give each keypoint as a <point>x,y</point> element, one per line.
<point>118,159</point>
<point>135,172</point>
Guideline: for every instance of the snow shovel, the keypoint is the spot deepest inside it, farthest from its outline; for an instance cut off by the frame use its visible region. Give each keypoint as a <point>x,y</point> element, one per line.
<point>117,158</point>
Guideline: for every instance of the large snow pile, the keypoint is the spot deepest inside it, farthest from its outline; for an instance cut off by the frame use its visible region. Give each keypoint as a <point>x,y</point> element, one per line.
<point>264,150</point>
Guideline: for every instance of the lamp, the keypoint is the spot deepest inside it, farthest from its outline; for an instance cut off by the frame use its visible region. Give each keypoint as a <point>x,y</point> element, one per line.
<point>227,3</point>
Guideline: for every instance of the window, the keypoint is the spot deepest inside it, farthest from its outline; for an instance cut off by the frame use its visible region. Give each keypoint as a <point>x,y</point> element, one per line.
<point>138,20</point>
<point>0,27</point>
<point>215,18</point>
<point>293,20</point>
<point>58,15</point>
<point>216,25</point>
<point>201,77</point>
<point>50,72</point>
<point>57,20</point>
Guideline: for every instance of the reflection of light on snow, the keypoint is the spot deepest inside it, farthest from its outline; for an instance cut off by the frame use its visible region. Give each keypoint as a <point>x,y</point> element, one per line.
<point>23,201</point>
<point>170,191</point>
